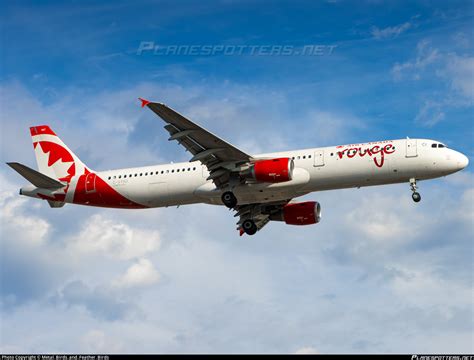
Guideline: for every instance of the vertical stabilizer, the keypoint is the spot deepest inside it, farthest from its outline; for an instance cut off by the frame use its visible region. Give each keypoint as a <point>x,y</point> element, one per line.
<point>54,158</point>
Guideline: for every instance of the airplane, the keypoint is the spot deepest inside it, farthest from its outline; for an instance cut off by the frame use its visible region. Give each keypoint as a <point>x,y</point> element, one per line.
<point>259,188</point>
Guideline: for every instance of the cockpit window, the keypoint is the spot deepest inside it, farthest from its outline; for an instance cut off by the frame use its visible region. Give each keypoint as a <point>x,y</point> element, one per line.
<point>433,145</point>
<point>441,146</point>
<point>438,146</point>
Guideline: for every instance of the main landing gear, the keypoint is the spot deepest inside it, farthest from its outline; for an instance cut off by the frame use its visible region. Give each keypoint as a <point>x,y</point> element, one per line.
<point>416,195</point>
<point>249,227</point>
<point>229,199</point>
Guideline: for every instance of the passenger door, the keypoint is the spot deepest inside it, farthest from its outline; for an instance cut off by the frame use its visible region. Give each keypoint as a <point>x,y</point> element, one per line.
<point>411,150</point>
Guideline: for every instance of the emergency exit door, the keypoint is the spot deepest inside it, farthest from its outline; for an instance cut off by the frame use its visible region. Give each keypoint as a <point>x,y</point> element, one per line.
<point>319,158</point>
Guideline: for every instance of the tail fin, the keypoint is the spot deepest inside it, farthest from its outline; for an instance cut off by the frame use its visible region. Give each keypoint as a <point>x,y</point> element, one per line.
<point>53,156</point>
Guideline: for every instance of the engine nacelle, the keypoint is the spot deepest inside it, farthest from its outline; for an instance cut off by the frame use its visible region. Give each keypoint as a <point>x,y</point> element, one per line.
<point>270,171</point>
<point>303,213</point>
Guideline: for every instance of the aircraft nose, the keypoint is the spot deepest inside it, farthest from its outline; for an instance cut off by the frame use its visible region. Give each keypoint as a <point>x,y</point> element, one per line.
<point>462,161</point>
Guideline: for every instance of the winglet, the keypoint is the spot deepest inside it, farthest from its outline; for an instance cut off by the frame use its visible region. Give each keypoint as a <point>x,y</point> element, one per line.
<point>144,102</point>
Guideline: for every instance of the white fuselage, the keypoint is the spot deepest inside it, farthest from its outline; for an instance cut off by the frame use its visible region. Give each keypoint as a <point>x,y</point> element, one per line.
<point>316,169</point>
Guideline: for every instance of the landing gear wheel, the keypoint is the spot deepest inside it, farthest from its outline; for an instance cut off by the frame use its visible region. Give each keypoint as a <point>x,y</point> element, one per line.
<point>229,199</point>
<point>416,197</point>
<point>249,227</point>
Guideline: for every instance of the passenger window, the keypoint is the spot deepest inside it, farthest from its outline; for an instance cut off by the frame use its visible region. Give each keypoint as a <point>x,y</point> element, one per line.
<point>172,171</point>
<point>141,174</point>
<point>298,157</point>
<point>136,175</point>
<point>309,156</point>
<point>109,177</point>
<point>120,176</point>
<point>189,169</point>
<point>194,168</point>
<point>162,171</point>
<point>177,170</point>
<point>167,171</point>
<point>304,156</point>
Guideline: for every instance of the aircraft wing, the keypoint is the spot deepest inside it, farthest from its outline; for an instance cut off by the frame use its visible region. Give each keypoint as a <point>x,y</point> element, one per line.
<point>217,155</point>
<point>258,212</point>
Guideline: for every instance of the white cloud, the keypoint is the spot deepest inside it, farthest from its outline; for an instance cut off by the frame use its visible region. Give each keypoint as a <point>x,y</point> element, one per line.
<point>140,274</point>
<point>454,74</point>
<point>430,113</point>
<point>460,71</point>
<point>32,229</point>
<point>391,31</point>
<point>101,235</point>
<point>463,178</point>
<point>465,210</point>
<point>380,225</point>
<point>100,302</point>
<point>419,287</point>
<point>425,56</point>
<point>30,262</point>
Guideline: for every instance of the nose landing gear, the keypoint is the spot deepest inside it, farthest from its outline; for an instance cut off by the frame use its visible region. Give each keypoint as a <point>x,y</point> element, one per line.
<point>415,195</point>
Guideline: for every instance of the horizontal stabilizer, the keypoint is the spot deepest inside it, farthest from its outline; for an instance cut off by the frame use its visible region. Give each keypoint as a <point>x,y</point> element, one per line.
<point>36,178</point>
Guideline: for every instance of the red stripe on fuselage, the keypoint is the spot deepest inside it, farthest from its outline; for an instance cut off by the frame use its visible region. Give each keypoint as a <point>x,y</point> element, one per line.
<point>103,195</point>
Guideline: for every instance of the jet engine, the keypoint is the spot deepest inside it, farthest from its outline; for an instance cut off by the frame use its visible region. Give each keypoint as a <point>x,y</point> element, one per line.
<point>271,171</point>
<point>303,213</point>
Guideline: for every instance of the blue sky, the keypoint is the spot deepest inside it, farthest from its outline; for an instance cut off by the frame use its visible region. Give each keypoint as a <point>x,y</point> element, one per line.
<point>180,280</point>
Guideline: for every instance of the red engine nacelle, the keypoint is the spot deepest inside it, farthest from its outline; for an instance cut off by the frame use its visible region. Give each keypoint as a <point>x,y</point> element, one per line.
<point>271,171</point>
<point>303,213</point>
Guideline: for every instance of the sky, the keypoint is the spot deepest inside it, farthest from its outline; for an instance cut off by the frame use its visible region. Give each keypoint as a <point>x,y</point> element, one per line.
<point>378,274</point>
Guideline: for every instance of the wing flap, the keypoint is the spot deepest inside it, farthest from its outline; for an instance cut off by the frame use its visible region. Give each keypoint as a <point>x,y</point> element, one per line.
<point>258,212</point>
